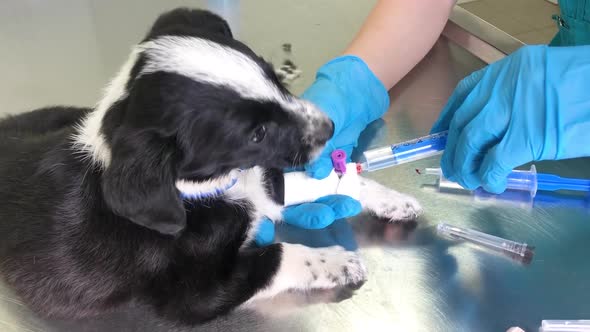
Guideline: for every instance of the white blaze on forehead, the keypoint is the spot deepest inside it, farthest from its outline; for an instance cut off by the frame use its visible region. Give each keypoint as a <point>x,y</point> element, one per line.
<point>205,61</point>
<point>208,62</point>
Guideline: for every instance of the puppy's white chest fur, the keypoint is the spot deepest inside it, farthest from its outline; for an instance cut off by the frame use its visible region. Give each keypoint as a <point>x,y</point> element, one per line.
<point>250,187</point>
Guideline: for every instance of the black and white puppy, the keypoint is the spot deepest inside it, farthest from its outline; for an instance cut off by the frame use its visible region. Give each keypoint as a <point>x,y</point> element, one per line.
<point>91,213</point>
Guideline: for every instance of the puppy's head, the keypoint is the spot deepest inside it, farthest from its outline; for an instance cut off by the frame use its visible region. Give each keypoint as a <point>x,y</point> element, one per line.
<point>192,104</point>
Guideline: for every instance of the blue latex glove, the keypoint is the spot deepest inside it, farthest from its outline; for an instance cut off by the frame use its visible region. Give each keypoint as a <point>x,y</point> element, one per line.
<point>339,233</point>
<point>532,105</point>
<point>352,97</point>
<point>316,215</point>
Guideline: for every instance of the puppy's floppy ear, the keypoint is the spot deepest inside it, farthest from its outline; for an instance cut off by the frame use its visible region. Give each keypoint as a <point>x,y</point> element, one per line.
<point>139,183</point>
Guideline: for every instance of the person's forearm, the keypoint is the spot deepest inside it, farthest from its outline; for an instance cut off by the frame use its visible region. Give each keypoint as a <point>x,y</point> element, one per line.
<point>397,35</point>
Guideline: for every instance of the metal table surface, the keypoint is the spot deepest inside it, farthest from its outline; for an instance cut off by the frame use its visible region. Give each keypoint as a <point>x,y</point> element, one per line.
<point>417,281</point>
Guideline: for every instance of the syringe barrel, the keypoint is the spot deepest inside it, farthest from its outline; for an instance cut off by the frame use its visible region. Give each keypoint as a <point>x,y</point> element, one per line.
<point>523,180</point>
<point>405,152</point>
<point>518,180</point>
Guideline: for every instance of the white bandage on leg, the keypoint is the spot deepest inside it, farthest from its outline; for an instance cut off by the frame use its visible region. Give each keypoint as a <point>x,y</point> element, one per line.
<point>301,188</point>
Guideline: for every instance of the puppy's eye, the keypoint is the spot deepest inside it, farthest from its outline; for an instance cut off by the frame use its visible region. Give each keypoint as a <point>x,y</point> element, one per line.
<point>259,134</point>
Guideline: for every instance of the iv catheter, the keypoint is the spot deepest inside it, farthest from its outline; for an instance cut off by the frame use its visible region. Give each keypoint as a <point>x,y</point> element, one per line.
<point>530,181</point>
<point>565,325</point>
<point>516,250</point>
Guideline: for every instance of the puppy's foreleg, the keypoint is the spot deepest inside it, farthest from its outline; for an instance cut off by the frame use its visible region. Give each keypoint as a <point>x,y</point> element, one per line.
<point>301,188</point>
<point>375,198</point>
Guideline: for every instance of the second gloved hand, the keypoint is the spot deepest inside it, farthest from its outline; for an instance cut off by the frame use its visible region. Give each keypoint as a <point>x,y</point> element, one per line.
<point>318,214</point>
<point>532,105</point>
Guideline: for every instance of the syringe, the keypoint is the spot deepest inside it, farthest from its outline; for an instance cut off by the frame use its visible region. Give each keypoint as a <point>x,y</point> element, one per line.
<point>523,180</point>
<point>404,152</point>
<point>517,180</point>
<point>515,250</point>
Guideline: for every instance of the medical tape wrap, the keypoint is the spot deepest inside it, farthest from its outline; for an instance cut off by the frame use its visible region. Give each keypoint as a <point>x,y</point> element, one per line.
<point>301,188</point>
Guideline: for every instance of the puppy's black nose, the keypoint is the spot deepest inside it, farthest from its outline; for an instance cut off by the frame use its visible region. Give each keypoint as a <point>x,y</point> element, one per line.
<point>326,131</point>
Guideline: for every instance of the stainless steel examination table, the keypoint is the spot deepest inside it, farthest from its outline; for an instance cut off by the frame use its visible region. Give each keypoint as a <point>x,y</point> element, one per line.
<point>417,281</point>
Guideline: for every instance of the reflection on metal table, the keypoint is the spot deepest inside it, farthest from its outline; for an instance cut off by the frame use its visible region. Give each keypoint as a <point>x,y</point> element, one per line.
<point>417,280</point>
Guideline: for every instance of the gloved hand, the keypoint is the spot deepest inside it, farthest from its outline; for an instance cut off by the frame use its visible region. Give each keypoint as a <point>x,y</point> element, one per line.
<point>316,215</point>
<point>352,97</point>
<point>532,105</point>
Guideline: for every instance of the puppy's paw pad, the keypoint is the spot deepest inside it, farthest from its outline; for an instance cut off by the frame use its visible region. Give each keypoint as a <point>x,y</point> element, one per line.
<point>334,266</point>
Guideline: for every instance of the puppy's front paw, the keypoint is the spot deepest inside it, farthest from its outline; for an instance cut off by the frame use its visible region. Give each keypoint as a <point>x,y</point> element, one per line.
<point>398,208</point>
<point>388,204</point>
